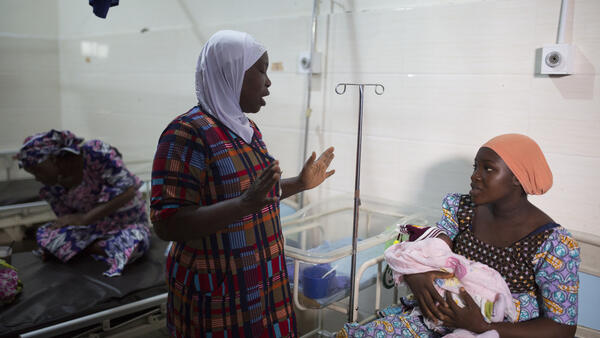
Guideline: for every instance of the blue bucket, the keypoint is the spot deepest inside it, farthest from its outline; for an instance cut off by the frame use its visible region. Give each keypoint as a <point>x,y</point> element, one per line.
<point>313,284</point>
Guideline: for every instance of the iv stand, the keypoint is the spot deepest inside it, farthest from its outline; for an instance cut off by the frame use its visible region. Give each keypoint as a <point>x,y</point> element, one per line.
<point>340,89</point>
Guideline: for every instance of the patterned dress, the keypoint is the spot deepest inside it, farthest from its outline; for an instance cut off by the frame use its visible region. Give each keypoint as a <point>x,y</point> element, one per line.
<point>123,235</point>
<point>233,283</point>
<point>541,271</point>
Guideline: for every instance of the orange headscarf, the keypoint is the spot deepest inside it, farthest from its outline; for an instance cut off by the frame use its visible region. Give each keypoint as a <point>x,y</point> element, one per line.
<point>526,161</point>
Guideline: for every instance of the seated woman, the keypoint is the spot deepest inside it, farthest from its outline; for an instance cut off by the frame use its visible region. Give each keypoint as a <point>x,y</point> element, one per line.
<point>495,224</point>
<point>95,198</point>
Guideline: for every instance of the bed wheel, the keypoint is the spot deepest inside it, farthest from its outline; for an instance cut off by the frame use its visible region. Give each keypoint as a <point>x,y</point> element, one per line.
<point>388,278</point>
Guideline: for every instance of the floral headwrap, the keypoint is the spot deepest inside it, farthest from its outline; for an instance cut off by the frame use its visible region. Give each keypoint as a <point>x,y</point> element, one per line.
<point>37,148</point>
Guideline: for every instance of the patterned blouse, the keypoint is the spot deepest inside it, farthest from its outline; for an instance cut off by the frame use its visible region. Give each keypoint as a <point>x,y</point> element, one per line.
<point>234,282</point>
<point>104,178</point>
<point>124,235</point>
<point>540,269</point>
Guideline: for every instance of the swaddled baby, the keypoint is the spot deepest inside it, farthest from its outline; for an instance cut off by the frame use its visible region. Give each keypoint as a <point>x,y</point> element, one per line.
<point>428,249</point>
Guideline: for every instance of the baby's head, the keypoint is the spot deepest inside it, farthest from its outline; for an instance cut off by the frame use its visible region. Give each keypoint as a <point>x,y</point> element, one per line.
<point>421,232</point>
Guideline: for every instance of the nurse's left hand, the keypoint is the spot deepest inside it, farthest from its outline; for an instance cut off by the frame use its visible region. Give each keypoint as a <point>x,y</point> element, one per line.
<point>315,172</point>
<point>72,219</point>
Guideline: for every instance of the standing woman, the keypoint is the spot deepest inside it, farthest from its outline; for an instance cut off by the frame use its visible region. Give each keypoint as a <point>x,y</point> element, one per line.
<point>95,198</point>
<point>215,194</point>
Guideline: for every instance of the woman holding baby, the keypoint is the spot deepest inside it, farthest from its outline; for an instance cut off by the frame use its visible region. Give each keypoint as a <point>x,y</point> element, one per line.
<point>495,224</point>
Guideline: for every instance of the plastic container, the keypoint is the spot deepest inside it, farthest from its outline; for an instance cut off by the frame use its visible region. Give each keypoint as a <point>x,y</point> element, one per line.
<point>313,284</point>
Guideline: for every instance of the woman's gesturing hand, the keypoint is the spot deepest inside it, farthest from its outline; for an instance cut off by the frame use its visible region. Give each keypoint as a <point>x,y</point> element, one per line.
<point>315,172</point>
<point>421,284</point>
<point>256,197</point>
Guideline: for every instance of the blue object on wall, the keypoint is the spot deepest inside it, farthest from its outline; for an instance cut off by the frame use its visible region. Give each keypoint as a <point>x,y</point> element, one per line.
<point>101,7</point>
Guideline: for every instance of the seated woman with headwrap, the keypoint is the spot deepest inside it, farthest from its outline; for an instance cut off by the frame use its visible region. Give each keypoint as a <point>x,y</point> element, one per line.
<point>95,198</point>
<point>495,224</point>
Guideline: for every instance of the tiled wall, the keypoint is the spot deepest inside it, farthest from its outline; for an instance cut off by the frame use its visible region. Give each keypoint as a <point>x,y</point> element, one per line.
<point>29,73</point>
<point>456,74</point>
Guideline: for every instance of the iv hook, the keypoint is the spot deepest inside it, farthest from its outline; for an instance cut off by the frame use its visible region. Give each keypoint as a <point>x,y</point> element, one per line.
<point>341,87</point>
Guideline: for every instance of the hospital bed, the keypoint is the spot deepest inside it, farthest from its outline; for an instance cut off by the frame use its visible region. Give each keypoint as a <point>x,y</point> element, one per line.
<point>320,235</point>
<point>76,299</point>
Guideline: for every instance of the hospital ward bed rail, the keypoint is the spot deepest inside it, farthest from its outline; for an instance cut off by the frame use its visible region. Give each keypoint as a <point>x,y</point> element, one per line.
<point>105,317</point>
<point>75,299</point>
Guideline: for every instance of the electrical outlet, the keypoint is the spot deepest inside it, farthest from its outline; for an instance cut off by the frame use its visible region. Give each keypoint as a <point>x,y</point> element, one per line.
<point>557,59</point>
<point>304,63</point>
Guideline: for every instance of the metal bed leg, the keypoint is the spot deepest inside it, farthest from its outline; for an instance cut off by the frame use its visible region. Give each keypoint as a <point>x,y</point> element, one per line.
<point>296,285</point>
<point>356,288</point>
<point>378,288</point>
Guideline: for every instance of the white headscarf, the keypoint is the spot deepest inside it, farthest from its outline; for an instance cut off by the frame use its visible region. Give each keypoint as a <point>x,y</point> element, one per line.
<point>219,76</point>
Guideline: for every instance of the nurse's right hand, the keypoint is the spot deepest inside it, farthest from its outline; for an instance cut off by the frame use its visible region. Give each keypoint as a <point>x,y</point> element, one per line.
<point>256,197</point>
<point>422,287</point>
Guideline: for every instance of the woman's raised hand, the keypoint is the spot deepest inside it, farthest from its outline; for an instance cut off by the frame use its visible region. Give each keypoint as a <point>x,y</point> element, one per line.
<point>256,197</point>
<point>315,172</point>
<point>421,284</point>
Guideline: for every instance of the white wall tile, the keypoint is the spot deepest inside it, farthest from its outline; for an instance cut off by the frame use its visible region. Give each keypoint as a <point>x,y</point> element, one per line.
<point>173,51</point>
<point>433,107</point>
<point>285,145</point>
<point>565,114</point>
<point>572,201</point>
<point>29,103</point>
<point>76,18</point>
<point>285,103</point>
<point>29,18</point>
<point>110,106</point>
<point>28,55</point>
<point>231,12</point>
<point>29,74</point>
<point>436,39</point>
<point>283,44</point>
